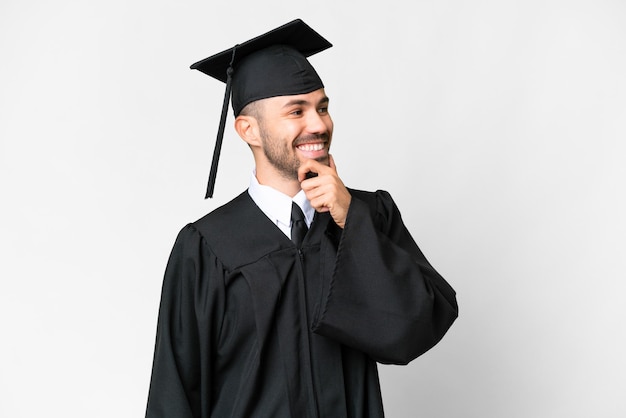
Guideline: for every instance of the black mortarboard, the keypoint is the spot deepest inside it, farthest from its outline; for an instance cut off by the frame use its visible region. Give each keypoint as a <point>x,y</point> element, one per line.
<point>270,65</point>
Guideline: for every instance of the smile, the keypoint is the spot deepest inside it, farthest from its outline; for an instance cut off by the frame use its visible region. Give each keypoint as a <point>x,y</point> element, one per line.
<point>318,146</point>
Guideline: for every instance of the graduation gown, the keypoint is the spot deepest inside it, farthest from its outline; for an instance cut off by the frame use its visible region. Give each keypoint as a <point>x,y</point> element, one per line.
<point>251,326</point>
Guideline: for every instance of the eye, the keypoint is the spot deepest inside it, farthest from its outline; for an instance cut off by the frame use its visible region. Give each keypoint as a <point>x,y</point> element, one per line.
<point>323,110</point>
<point>296,112</point>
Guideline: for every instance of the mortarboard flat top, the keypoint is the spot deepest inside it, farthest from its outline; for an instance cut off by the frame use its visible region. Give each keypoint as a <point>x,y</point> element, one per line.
<point>296,34</point>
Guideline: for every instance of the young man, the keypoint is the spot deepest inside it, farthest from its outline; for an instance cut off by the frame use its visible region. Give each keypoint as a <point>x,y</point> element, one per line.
<point>280,303</point>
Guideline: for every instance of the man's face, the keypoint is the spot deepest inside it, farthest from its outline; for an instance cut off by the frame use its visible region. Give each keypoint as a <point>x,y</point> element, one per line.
<point>294,129</point>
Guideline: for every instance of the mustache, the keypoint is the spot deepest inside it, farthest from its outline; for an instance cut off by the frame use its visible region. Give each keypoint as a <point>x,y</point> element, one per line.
<point>311,138</point>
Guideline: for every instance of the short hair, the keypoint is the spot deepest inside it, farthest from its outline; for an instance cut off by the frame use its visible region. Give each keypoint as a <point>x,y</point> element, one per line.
<point>253,109</point>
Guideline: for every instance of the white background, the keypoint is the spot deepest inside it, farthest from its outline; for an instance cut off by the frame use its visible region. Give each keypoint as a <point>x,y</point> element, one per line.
<point>498,127</point>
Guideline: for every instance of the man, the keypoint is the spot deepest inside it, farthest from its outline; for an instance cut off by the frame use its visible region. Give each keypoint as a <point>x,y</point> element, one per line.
<point>280,303</point>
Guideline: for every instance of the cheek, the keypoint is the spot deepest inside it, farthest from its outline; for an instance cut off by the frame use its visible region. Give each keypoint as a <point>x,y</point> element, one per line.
<point>291,132</point>
<point>330,125</point>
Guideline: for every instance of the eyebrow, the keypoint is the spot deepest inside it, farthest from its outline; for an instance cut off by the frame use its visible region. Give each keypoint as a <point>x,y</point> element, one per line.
<point>300,102</point>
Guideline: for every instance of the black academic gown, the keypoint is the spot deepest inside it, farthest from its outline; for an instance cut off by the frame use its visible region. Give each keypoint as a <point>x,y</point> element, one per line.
<point>250,326</point>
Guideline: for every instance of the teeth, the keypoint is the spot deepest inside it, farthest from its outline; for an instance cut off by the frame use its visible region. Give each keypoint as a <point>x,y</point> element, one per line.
<point>311,147</point>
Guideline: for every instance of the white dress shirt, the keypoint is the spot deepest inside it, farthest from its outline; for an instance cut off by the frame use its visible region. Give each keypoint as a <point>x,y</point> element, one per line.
<point>277,205</point>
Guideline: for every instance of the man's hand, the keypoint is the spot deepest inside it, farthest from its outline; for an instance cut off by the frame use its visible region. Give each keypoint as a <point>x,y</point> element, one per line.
<point>326,191</point>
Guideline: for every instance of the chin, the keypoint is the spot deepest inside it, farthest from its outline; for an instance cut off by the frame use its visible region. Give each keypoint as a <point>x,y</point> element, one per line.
<point>324,160</point>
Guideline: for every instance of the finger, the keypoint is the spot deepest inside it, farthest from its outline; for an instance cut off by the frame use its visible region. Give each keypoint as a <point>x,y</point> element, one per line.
<point>303,170</point>
<point>319,203</point>
<point>309,166</point>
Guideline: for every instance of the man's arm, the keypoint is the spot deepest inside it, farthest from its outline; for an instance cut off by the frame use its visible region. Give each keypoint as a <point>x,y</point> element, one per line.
<point>384,297</point>
<point>181,371</point>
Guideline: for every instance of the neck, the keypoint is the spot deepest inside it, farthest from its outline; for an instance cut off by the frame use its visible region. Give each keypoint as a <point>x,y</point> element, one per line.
<point>277,181</point>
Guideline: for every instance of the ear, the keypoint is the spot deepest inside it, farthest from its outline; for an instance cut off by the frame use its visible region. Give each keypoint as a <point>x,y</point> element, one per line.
<point>248,129</point>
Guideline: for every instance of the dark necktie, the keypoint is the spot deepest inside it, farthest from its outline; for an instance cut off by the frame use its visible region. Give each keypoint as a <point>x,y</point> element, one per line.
<point>298,225</point>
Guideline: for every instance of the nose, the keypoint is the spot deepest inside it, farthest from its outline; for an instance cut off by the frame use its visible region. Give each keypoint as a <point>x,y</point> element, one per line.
<point>317,123</point>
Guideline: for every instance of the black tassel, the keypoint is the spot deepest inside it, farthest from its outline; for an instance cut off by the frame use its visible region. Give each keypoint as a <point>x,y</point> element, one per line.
<point>220,131</point>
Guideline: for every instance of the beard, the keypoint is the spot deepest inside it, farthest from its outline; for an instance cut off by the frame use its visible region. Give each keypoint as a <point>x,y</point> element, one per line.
<point>280,155</point>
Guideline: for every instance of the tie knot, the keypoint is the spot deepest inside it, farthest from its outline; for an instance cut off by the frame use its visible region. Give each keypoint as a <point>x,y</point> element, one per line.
<point>298,225</point>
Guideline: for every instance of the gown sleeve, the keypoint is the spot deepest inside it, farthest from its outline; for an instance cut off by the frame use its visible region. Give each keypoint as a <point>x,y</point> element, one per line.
<point>191,301</point>
<point>384,298</point>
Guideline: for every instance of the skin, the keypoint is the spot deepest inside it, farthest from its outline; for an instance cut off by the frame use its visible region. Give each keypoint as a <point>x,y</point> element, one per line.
<point>290,136</point>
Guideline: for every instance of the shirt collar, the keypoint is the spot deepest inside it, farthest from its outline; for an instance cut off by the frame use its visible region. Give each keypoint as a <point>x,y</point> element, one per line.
<point>277,205</point>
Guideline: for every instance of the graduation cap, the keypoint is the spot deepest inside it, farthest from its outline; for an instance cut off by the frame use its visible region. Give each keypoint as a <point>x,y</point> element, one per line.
<point>270,65</point>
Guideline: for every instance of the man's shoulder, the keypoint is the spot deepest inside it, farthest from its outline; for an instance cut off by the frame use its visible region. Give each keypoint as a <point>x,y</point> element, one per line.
<point>228,230</point>
<point>226,212</point>
<point>372,198</point>
<point>363,194</point>
<point>220,221</point>
<point>379,203</point>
